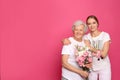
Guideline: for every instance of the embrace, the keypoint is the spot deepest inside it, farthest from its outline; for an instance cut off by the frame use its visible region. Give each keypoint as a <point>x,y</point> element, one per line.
<point>85,56</point>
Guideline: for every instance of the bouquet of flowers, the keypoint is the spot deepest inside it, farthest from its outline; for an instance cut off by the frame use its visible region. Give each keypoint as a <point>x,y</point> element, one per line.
<point>83,57</point>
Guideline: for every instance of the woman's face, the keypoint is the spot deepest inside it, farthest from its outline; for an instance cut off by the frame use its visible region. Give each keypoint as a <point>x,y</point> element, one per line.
<point>92,24</point>
<point>78,31</point>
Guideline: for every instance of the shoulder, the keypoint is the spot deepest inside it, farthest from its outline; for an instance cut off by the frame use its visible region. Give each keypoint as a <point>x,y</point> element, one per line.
<point>86,36</point>
<point>105,34</point>
<point>71,39</point>
<point>66,49</point>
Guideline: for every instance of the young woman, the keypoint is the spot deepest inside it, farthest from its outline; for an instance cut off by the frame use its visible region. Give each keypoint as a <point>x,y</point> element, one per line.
<point>99,42</point>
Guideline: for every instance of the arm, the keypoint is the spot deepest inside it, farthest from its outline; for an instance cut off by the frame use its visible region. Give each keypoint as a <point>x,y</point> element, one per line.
<point>66,41</point>
<point>105,49</point>
<point>87,42</point>
<point>68,66</point>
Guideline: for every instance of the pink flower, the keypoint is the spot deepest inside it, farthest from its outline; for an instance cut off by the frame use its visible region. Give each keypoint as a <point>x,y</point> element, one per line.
<point>85,54</point>
<point>98,54</point>
<point>80,58</point>
<point>90,59</point>
<point>80,63</point>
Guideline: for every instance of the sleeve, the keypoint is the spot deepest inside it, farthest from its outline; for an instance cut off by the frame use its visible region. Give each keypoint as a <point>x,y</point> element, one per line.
<point>66,49</point>
<point>106,37</point>
<point>85,37</point>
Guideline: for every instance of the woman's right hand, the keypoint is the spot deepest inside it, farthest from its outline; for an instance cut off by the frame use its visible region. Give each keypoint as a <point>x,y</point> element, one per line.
<point>66,41</point>
<point>84,74</point>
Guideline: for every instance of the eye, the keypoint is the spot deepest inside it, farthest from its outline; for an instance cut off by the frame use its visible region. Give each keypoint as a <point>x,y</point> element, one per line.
<point>94,22</point>
<point>88,23</point>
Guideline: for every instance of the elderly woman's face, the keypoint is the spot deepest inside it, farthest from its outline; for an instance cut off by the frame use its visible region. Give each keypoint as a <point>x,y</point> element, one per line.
<point>78,31</point>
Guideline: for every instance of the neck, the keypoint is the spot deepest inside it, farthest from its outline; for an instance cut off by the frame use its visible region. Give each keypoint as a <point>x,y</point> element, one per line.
<point>95,33</point>
<point>78,39</point>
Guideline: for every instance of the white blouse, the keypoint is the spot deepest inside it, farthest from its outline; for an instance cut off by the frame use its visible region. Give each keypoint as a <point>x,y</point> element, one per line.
<point>98,43</point>
<point>69,49</point>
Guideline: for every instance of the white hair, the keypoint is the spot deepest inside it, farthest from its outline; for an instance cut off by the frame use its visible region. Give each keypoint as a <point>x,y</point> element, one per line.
<point>78,23</point>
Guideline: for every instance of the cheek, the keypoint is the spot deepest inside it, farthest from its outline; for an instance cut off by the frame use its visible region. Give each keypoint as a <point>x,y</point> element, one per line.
<point>89,27</point>
<point>75,32</point>
<point>83,33</point>
<point>96,26</point>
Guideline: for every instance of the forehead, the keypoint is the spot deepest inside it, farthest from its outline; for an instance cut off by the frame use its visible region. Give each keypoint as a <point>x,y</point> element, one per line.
<point>91,20</point>
<point>80,27</point>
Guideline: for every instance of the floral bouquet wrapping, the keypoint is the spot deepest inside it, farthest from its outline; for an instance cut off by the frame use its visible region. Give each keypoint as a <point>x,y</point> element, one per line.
<point>97,45</point>
<point>83,57</point>
<point>97,54</point>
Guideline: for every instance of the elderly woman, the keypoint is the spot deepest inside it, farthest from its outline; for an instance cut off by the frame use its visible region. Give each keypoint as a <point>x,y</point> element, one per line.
<point>70,69</point>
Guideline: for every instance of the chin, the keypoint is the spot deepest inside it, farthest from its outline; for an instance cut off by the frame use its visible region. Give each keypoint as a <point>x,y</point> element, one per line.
<point>92,30</point>
<point>79,37</point>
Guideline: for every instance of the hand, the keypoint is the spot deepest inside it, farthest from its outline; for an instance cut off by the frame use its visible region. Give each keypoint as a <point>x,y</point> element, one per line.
<point>66,41</point>
<point>84,74</point>
<point>93,49</point>
<point>88,65</point>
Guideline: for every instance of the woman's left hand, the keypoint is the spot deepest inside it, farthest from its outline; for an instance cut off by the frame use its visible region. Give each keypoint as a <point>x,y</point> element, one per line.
<point>88,65</point>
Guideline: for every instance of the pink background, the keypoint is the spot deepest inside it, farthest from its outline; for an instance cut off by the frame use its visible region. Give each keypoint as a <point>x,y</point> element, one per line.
<point>31,32</point>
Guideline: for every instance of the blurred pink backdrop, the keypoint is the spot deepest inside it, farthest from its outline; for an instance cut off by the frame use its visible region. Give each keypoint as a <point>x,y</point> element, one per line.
<point>31,32</point>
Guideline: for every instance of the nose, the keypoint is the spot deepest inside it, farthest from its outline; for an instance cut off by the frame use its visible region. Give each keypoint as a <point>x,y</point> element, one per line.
<point>91,26</point>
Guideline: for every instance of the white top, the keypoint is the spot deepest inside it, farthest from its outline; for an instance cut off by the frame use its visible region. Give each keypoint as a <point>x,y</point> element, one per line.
<point>98,43</point>
<point>69,49</point>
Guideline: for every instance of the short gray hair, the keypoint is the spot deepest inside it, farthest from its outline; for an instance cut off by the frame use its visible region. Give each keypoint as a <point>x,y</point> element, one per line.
<point>78,23</point>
